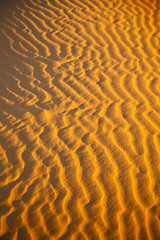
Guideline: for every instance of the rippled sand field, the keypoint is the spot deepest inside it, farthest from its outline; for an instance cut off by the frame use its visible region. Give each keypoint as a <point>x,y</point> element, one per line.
<point>80,119</point>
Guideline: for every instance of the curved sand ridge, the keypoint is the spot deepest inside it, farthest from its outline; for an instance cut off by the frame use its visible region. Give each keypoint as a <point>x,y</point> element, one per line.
<point>80,119</point>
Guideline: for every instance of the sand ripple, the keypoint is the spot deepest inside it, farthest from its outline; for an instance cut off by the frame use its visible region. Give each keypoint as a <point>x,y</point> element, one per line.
<point>79,119</point>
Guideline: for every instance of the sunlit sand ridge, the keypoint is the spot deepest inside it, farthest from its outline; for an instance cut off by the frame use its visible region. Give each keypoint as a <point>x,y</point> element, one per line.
<point>80,119</point>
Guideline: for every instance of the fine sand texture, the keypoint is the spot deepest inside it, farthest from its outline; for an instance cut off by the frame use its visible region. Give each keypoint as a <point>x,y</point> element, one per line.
<point>80,119</point>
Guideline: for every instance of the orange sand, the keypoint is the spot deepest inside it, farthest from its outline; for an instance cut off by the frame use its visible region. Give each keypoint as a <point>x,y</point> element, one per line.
<point>80,119</point>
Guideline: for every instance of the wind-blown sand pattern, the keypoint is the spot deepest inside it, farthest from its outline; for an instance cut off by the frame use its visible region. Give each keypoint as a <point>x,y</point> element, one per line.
<point>80,119</point>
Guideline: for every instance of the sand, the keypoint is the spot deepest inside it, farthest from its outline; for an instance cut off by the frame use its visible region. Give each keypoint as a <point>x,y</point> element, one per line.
<point>80,119</point>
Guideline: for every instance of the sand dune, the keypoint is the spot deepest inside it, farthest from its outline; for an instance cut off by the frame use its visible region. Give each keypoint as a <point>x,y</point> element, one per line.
<point>79,119</point>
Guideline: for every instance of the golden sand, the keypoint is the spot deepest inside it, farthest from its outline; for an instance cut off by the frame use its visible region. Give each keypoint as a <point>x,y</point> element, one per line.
<point>80,119</point>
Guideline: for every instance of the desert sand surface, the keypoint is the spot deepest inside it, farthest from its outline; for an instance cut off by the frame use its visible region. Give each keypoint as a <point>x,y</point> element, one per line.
<point>80,119</point>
